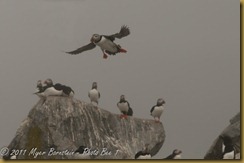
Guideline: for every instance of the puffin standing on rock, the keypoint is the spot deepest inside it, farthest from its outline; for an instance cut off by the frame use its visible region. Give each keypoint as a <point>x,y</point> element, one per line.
<point>157,110</point>
<point>228,151</point>
<point>144,153</point>
<point>105,42</point>
<point>176,154</point>
<point>94,94</point>
<point>124,107</point>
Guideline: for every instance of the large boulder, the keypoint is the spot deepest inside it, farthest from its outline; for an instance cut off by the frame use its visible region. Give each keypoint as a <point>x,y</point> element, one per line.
<point>233,131</point>
<point>57,126</point>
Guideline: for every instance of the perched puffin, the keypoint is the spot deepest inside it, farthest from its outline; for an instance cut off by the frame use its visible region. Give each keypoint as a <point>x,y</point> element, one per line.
<point>39,89</point>
<point>79,153</point>
<point>106,43</point>
<point>228,151</point>
<point>176,154</point>
<point>57,90</point>
<point>94,94</point>
<point>124,107</point>
<point>144,153</point>
<point>157,110</point>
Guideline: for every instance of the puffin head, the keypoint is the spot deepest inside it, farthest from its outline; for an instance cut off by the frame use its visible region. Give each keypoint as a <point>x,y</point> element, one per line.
<point>95,38</point>
<point>94,85</point>
<point>80,150</point>
<point>226,139</point>
<point>39,83</point>
<point>48,82</point>
<point>122,98</point>
<point>177,151</point>
<point>160,101</point>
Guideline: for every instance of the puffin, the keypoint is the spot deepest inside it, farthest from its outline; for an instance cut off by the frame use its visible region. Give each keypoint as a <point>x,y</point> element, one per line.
<point>144,153</point>
<point>94,94</point>
<point>105,42</point>
<point>176,154</point>
<point>57,90</point>
<point>157,110</point>
<point>79,153</point>
<point>39,89</point>
<point>228,151</point>
<point>124,107</point>
<point>49,89</point>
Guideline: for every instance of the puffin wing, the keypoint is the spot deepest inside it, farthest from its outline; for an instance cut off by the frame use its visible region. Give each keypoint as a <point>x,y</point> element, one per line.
<point>130,112</point>
<point>152,109</point>
<point>169,157</point>
<point>82,49</point>
<point>124,31</point>
<point>138,154</point>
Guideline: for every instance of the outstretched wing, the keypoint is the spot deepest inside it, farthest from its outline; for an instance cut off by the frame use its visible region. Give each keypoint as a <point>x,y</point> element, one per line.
<point>124,31</point>
<point>83,48</point>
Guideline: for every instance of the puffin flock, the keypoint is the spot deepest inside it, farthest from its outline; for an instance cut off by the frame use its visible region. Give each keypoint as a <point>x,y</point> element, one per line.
<point>47,88</point>
<point>108,47</point>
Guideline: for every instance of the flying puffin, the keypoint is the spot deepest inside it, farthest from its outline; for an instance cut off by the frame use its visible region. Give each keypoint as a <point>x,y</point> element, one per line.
<point>106,43</point>
<point>176,154</point>
<point>94,94</point>
<point>228,151</point>
<point>157,110</point>
<point>144,153</point>
<point>79,153</point>
<point>124,107</point>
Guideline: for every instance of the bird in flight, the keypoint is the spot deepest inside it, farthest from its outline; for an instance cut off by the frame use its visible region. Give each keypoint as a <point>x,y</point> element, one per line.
<point>105,42</point>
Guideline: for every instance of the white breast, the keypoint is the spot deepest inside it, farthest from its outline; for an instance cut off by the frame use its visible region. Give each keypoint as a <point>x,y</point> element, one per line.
<point>229,155</point>
<point>177,156</point>
<point>123,107</point>
<point>145,156</point>
<point>51,91</point>
<point>94,95</point>
<point>106,44</point>
<point>13,157</point>
<point>157,112</point>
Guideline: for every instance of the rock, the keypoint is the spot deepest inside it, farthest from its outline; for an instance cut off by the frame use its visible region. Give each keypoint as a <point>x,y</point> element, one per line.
<point>57,126</point>
<point>233,131</point>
